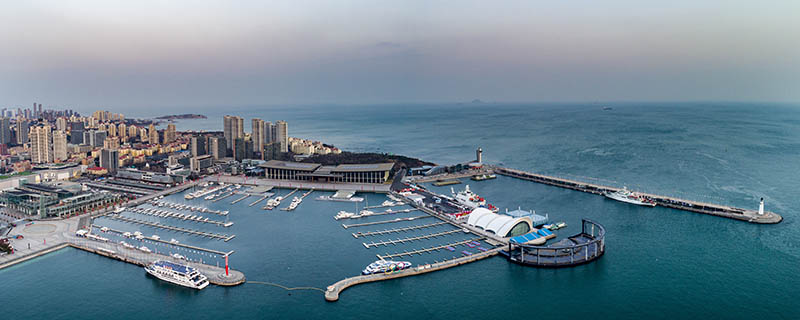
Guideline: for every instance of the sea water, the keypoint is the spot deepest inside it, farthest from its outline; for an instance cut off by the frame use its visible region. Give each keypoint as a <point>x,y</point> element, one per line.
<point>659,263</point>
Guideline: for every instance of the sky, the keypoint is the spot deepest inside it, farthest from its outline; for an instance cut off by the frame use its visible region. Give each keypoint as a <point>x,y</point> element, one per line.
<point>128,54</point>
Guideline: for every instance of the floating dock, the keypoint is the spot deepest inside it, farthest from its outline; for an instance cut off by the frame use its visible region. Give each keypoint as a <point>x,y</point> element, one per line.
<point>224,237</point>
<point>409,239</point>
<point>240,199</point>
<point>216,199</point>
<point>384,221</point>
<point>664,201</point>
<point>177,244</point>
<point>179,216</point>
<point>382,232</point>
<point>265,197</point>
<point>380,213</point>
<point>181,206</point>
<point>425,250</point>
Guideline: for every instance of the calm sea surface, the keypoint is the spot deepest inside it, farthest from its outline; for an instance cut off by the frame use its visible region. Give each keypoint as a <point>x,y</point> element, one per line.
<point>660,263</point>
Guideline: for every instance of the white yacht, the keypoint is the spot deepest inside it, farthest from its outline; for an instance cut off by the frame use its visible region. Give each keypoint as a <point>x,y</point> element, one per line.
<point>344,215</point>
<point>627,196</point>
<point>178,274</point>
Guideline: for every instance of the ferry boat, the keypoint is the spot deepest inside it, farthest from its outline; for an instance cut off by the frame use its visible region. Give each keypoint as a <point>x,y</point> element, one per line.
<point>384,266</point>
<point>468,198</point>
<point>178,274</point>
<point>627,196</point>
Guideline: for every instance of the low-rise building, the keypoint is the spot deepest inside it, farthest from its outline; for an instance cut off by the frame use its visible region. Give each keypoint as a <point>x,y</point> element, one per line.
<point>347,173</point>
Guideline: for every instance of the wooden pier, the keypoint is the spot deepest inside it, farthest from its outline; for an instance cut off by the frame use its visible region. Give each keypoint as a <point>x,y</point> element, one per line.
<point>333,291</point>
<point>384,221</point>
<point>404,229</point>
<point>409,239</point>
<point>224,237</point>
<point>664,201</point>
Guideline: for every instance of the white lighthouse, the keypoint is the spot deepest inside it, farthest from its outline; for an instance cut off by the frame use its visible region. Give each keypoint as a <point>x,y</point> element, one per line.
<point>479,155</point>
<point>761,207</point>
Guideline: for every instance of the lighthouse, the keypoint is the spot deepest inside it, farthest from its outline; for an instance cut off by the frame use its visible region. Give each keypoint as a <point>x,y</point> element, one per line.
<point>761,207</point>
<point>479,155</point>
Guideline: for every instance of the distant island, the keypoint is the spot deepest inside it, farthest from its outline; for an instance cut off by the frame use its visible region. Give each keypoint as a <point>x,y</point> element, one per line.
<point>182,116</point>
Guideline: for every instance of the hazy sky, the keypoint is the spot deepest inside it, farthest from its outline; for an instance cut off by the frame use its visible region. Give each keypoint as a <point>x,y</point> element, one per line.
<point>217,53</point>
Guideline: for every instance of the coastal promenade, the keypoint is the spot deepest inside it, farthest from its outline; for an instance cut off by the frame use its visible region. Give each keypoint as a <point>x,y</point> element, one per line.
<point>751,216</point>
<point>724,211</point>
<point>257,181</point>
<point>333,291</point>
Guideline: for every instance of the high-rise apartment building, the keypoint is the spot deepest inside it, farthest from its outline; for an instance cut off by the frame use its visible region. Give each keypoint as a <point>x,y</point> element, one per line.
<point>152,134</point>
<point>22,131</point>
<point>197,146</point>
<point>282,135</point>
<point>59,145</point>
<point>5,130</point>
<point>259,135</point>
<point>109,159</point>
<point>41,150</point>
<point>170,135</point>
<point>233,129</point>
<point>217,147</point>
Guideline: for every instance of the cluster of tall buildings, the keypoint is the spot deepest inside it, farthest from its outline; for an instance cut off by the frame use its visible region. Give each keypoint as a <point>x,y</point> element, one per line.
<point>265,140</point>
<point>38,136</point>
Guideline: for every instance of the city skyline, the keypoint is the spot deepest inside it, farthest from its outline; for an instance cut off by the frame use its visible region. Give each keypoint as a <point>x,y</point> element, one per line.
<point>118,55</point>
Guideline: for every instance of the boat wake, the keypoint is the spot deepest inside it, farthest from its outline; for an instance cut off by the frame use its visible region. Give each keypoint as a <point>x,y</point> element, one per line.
<point>285,287</point>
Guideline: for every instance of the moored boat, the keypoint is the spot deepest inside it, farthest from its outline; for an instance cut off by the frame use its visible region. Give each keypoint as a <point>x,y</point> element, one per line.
<point>177,274</point>
<point>385,266</point>
<point>627,196</point>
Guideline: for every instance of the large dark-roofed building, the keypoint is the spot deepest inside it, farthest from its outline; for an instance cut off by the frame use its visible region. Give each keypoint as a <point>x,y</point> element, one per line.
<point>348,173</point>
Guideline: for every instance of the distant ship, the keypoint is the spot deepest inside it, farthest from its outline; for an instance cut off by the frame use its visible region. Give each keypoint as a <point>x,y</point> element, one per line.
<point>608,108</point>
<point>384,266</point>
<point>627,196</point>
<point>178,274</point>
